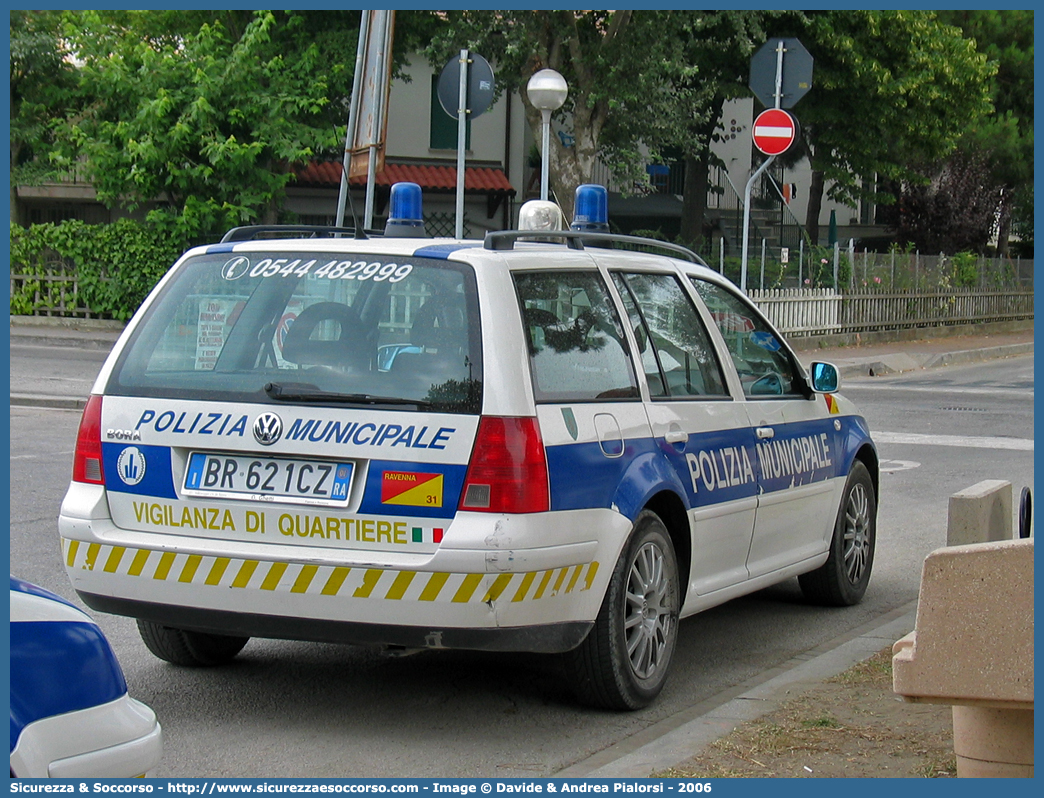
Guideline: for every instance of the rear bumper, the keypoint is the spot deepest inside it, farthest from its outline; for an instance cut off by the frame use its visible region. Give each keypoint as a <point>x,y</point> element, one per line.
<point>477,591</point>
<point>546,638</point>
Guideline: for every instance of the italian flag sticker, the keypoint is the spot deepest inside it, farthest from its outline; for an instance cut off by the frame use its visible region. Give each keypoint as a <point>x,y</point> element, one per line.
<point>411,490</point>
<point>427,534</point>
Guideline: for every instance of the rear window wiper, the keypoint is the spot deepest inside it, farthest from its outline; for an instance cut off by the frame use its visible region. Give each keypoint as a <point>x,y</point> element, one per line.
<point>305,392</point>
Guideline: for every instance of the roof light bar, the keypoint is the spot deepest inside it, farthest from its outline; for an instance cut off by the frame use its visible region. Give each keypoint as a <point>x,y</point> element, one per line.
<point>591,209</point>
<point>406,217</point>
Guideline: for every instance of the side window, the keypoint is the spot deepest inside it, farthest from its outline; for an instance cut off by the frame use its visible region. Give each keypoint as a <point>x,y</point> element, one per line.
<point>765,368</point>
<point>677,354</point>
<point>577,349</point>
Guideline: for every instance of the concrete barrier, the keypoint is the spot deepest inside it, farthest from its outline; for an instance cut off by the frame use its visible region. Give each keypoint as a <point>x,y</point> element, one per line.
<point>972,646</point>
<point>980,513</point>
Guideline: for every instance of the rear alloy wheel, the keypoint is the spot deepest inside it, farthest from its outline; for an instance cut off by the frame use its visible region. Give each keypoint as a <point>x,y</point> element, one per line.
<point>624,660</point>
<point>191,649</point>
<point>841,581</point>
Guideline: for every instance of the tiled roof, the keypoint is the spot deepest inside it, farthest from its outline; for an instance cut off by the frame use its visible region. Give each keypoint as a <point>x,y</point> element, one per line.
<point>477,179</point>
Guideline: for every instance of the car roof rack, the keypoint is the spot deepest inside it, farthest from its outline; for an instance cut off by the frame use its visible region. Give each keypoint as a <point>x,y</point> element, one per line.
<point>257,231</point>
<point>575,239</point>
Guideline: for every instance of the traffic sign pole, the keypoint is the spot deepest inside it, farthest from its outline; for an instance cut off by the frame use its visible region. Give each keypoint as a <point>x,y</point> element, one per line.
<point>777,89</point>
<point>462,141</point>
<point>779,73</point>
<point>746,219</point>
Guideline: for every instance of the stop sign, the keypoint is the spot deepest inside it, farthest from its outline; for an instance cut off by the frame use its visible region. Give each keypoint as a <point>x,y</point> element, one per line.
<point>774,131</point>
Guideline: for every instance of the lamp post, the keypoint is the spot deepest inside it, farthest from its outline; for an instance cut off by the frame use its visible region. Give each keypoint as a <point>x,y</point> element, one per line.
<point>547,91</point>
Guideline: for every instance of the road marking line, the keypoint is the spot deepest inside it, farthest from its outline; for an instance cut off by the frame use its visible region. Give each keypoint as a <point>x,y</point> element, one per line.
<point>940,390</point>
<point>1014,444</point>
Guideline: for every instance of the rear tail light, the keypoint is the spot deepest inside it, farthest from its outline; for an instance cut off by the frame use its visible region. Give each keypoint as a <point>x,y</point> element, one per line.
<point>508,471</point>
<point>87,461</point>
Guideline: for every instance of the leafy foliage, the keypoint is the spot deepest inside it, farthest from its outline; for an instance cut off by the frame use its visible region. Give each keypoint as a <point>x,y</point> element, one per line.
<point>206,114</point>
<point>891,90</point>
<point>116,265</point>
<point>957,211</point>
<point>1003,141</point>
<point>41,83</point>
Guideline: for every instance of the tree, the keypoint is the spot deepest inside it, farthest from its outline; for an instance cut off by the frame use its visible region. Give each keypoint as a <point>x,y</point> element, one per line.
<point>41,81</point>
<point>891,90</point>
<point>616,65</point>
<point>1005,138</point>
<point>956,211</point>
<point>207,116</point>
<point>715,48</point>
<point>208,111</point>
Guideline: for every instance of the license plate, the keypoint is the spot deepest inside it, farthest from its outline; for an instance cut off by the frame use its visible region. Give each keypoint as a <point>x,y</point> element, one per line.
<point>319,482</point>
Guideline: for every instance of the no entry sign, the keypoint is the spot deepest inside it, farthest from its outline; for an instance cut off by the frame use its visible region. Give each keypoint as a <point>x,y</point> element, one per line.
<point>774,131</point>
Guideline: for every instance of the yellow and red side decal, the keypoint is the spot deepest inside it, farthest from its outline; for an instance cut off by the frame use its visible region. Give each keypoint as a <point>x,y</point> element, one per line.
<point>831,404</point>
<point>411,489</point>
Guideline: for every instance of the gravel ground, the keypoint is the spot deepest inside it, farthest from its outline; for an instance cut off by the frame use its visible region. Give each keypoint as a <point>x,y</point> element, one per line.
<point>853,726</point>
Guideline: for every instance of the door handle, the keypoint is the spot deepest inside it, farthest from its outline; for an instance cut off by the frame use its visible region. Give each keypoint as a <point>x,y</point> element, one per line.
<point>676,436</point>
<point>764,433</point>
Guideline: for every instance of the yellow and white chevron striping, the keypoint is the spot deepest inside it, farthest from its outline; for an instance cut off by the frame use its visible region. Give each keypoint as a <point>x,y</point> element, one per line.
<point>327,580</point>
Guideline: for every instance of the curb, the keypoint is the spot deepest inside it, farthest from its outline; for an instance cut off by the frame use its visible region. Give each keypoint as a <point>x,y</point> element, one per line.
<point>673,741</point>
<point>54,402</point>
<point>899,363</point>
<point>975,355</point>
<point>65,339</point>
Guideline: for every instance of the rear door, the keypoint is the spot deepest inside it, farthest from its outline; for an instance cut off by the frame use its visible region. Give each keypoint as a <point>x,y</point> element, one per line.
<point>588,402</point>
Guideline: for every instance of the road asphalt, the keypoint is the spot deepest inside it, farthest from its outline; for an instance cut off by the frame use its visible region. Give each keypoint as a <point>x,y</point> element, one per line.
<point>675,739</point>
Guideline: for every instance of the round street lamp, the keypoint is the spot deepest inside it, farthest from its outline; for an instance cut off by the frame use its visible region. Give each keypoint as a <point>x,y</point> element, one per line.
<point>547,91</point>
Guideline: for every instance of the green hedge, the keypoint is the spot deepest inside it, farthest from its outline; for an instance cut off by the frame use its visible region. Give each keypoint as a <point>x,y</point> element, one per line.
<point>116,265</point>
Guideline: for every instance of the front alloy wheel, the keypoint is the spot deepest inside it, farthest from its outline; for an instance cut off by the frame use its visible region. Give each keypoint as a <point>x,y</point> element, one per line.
<point>841,581</point>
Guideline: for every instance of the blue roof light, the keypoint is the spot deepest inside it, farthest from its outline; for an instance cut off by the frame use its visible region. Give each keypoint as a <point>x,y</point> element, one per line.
<point>405,218</point>
<point>591,209</point>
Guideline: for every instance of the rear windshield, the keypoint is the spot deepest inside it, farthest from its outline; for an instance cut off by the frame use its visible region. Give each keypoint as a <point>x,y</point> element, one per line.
<point>311,328</point>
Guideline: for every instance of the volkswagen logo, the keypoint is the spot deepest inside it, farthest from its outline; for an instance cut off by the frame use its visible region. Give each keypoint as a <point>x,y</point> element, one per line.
<point>268,428</point>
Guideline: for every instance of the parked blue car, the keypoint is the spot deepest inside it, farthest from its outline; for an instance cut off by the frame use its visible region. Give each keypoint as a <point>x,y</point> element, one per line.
<point>71,716</point>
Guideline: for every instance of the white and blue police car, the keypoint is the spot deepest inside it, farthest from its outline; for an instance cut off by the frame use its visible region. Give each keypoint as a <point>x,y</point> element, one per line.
<point>549,440</point>
<point>71,716</point>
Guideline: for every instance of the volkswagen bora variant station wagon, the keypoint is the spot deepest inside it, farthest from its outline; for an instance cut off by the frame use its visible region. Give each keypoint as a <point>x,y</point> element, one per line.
<point>557,441</point>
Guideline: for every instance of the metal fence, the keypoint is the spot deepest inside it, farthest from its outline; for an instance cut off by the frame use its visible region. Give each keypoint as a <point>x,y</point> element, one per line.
<point>808,310</point>
<point>846,268</point>
<point>53,291</point>
<point>811,311</point>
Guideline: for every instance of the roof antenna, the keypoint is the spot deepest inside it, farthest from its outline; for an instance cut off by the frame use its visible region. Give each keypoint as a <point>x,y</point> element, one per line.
<point>360,234</point>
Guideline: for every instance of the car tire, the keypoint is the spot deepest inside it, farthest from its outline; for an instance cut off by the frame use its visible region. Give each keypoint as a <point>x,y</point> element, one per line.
<point>624,660</point>
<point>191,649</point>
<point>841,581</point>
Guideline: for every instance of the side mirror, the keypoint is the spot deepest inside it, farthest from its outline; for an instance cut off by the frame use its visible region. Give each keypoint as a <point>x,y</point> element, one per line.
<point>825,378</point>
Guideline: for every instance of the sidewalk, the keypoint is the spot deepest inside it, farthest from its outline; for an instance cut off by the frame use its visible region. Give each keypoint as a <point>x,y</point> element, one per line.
<point>881,358</point>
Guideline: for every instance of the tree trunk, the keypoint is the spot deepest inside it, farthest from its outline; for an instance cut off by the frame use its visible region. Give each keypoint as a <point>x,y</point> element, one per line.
<point>694,202</point>
<point>1004,231</point>
<point>815,206</point>
<point>697,179</point>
